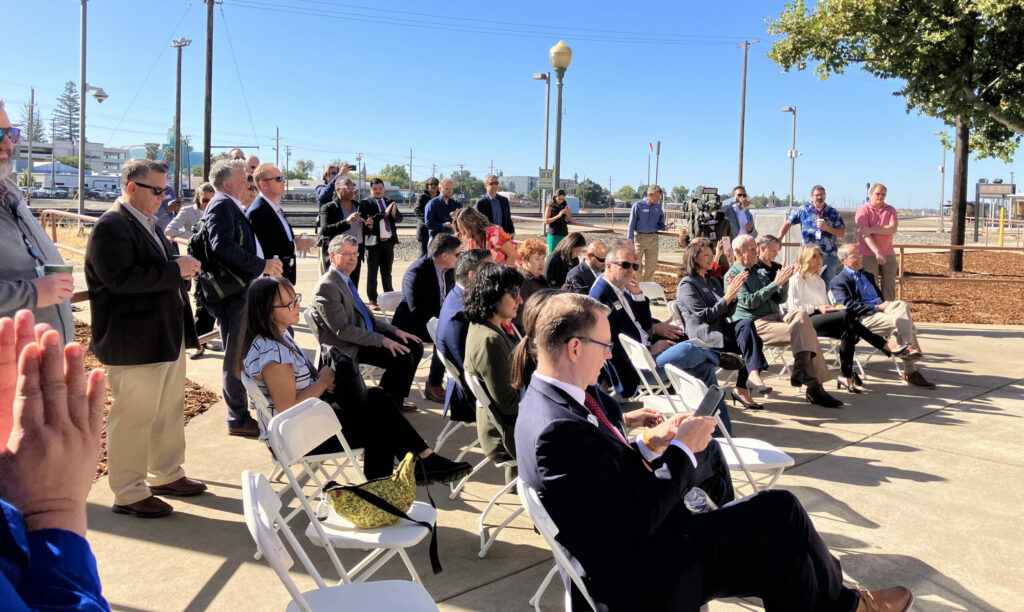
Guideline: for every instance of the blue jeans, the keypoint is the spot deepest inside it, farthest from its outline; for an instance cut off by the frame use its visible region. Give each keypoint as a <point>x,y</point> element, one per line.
<point>698,362</point>
<point>829,268</point>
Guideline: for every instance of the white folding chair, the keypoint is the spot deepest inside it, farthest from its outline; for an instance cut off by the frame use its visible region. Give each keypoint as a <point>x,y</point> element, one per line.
<point>295,432</point>
<point>547,528</point>
<point>388,302</point>
<point>653,291</point>
<point>654,392</point>
<point>451,426</point>
<point>484,401</point>
<point>830,351</point>
<point>675,314</point>
<point>313,463</point>
<point>262,511</point>
<point>307,314</point>
<point>747,454</point>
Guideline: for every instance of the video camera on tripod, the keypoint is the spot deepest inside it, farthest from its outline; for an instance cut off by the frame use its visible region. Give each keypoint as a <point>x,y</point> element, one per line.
<point>704,215</point>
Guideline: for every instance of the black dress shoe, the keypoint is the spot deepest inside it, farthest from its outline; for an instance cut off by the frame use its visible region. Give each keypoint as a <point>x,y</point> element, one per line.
<point>435,468</point>
<point>817,395</point>
<point>800,377</point>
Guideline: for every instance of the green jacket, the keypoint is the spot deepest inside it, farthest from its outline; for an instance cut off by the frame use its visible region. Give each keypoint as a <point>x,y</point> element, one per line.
<point>759,296</point>
<point>489,358</point>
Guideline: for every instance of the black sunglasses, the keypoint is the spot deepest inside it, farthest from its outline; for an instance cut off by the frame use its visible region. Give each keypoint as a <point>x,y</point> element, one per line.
<point>276,178</point>
<point>600,259</point>
<point>11,132</point>
<point>625,264</point>
<point>156,190</point>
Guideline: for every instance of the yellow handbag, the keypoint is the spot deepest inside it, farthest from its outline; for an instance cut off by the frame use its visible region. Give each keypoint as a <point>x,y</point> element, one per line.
<point>398,490</point>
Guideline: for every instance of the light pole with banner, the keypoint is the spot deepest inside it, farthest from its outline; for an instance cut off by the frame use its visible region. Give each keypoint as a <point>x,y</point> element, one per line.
<point>561,56</point>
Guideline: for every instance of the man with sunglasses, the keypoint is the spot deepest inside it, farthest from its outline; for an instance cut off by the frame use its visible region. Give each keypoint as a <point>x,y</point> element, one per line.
<point>496,207</point>
<point>137,292</point>
<point>25,249</point>
<point>619,290</point>
<point>582,276</point>
<point>269,222</point>
<point>737,211</point>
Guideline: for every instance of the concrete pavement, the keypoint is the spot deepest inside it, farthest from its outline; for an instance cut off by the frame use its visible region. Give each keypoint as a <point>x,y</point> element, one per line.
<point>908,486</point>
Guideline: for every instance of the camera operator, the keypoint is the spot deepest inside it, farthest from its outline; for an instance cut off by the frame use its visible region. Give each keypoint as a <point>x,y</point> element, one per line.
<point>705,218</point>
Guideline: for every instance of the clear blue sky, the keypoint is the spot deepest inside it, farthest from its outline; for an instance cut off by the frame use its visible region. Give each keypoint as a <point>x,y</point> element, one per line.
<point>453,81</point>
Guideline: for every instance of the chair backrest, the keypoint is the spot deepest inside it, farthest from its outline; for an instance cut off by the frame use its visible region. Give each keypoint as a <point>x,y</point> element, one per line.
<point>259,400</point>
<point>646,368</point>
<point>675,313</point>
<point>303,427</point>
<point>432,329</point>
<point>653,291</point>
<point>307,314</point>
<point>476,387</point>
<point>547,528</point>
<point>691,392</point>
<point>388,302</point>
<point>262,509</point>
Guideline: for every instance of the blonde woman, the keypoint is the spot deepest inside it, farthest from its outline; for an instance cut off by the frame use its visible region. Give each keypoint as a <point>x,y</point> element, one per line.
<point>807,292</point>
<point>477,232</point>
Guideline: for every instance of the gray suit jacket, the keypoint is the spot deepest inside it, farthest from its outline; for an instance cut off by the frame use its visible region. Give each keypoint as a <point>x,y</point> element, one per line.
<point>338,320</point>
<point>728,207</point>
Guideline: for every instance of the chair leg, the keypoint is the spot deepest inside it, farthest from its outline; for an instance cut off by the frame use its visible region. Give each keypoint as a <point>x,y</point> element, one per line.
<point>486,542</point>
<point>535,600</point>
<point>449,428</point>
<point>409,566</point>
<point>467,448</point>
<point>476,468</point>
<point>372,562</point>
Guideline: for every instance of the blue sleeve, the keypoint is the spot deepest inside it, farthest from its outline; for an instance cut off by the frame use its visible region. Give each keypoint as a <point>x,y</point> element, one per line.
<point>661,218</point>
<point>325,193</point>
<point>794,219</point>
<point>632,222</point>
<point>430,215</point>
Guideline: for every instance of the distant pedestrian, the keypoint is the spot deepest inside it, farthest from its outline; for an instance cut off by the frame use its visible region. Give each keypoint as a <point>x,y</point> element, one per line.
<point>557,218</point>
<point>820,225</point>
<point>877,223</point>
<point>430,192</point>
<point>382,217</point>
<point>496,207</point>
<point>646,219</point>
<point>440,210</point>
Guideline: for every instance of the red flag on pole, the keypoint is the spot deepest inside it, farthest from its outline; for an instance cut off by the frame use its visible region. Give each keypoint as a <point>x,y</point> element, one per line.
<point>651,145</point>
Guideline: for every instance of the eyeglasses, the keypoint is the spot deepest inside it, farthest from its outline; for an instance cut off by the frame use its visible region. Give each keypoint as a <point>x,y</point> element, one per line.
<point>156,190</point>
<point>276,178</point>
<point>596,258</point>
<point>11,132</point>
<point>514,293</point>
<point>292,305</point>
<point>607,346</point>
<point>493,183</point>
<point>741,195</point>
<point>625,264</point>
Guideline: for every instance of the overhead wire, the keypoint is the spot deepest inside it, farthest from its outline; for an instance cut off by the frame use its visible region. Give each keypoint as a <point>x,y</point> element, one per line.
<point>241,83</point>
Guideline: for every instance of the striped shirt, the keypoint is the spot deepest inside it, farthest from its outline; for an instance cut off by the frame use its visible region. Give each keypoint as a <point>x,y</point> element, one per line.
<point>267,350</point>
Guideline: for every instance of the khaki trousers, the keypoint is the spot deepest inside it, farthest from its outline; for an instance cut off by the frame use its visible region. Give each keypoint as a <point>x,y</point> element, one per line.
<point>646,254</point>
<point>796,330</point>
<point>896,318</point>
<point>886,275</point>
<point>145,428</point>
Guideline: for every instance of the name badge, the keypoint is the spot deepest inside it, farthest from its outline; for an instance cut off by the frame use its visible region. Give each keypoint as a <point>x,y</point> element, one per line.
<point>593,420</point>
<point>618,306</point>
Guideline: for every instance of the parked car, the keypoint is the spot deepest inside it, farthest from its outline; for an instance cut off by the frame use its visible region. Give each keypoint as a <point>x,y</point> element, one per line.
<point>42,192</point>
<point>59,192</point>
<point>111,195</point>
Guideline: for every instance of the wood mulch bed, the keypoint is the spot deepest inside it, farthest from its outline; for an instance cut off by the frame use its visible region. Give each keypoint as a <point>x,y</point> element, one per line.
<point>936,301</point>
<point>197,399</point>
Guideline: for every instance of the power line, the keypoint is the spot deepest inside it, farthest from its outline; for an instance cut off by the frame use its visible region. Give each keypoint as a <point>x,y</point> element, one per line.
<point>241,83</point>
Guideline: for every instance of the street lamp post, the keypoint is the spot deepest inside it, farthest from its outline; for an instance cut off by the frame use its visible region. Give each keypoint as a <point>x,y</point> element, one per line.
<point>561,56</point>
<point>546,77</point>
<point>792,154</point>
<point>942,187</point>
<point>178,44</point>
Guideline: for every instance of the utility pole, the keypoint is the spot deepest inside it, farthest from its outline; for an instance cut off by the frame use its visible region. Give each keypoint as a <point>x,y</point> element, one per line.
<point>81,121</point>
<point>433,170</point>
<point>277,147</point>
<point>32,129</point>
<point>287,157</point>
<point>410,177</point>
<point>743,103</point>
<point>53,151</point>
<point>359,171</point>
<point>492,166</point>
<point>178,44</point>
<point>657,159</point>
<point>208,100</point>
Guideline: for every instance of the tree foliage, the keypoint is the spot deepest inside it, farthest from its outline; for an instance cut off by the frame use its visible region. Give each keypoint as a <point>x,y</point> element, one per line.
<point>152,150</point>
<point>32,124</point>
<point>959,58</point>
<point>396,174</point>
<point>626,194</point>
<point>67,112</point>
<point>591,194</point>
<point>680,193</point>
<point>71,160</point>
<point>303,168</point>
<point>467,185</point>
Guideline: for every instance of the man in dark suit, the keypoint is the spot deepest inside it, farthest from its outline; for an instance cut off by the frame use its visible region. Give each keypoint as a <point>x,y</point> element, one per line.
<point>619,290</point>
<point>381,216</point>
<point>582,276</point>
<point>496,207</point>
<point>424,287</point>
<point>342,320</point>
<point>856,288</point>
<point>235,246</point>
<point>452,328</point>
<point>141,325</point>
<point>618,502</point>
<point>269,223</point>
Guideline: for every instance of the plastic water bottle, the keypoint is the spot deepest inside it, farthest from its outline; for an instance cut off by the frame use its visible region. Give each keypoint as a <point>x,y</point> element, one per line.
<point>696,501</point>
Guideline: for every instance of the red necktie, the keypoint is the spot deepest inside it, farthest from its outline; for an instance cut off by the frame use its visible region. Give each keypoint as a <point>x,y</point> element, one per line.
<point>591,404</point>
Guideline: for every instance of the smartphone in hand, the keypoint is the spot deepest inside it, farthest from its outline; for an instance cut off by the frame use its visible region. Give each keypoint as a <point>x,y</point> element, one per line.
<point>710,404</point>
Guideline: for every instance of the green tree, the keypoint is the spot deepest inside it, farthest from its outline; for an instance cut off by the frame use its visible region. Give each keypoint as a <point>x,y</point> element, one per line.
<point>468,185</point>
<point>626,194</point>
<point>591,194</point>
<point>534,194</point>
<point>680,193</point>
<point>197,170</point>
<point>303,168</point>
<point>70,160</point>
<point>152,150</point>
<point>957,61</point>
<point>396,174</point>
<point>67,112</point>
<point>32,124</point>
<point>168,154</point>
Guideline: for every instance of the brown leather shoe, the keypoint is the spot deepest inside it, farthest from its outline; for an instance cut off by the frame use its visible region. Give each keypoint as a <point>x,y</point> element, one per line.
<point>182,487</point>
<point>151,507</point>
<point>915,378</point>
<point>729,361</point>
<point>409,407</point>
<point>435,394</point>
<point>892,599</point>
<point>249,430</point>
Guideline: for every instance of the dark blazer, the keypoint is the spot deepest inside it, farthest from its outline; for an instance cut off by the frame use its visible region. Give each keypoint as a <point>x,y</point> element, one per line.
<point>619,368</point>
<point>452,328</point>
<point>273,236</point>
<point>621,523</point>
<point>484,206</point>
<point>705,311</point>
<point>557,269</point>
<point>140,310</point>
<point>580,279</point>
<point>338,320</point>
<point>843,290</point>
<point>369,209</point>
<point>421,297</point>
<point>333,223</point>
<point>231,237</point>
